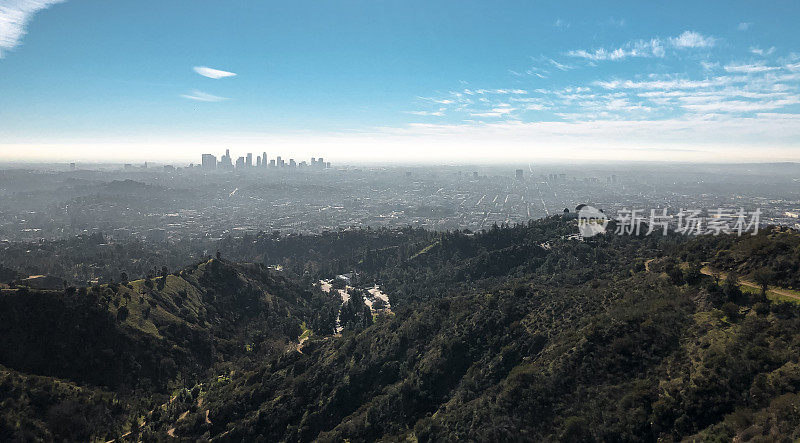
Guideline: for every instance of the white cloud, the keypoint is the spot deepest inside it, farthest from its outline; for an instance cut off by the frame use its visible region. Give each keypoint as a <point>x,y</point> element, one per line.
<point>759,51</point>
<point>494,91</point>
<point>559,66</point>
<point>638,48</point>
<point>744,26</point>
<point>438,113</point>
<point>213,73</point>
<point>646,48</point>
<point>614,22</point>
<point>738,106</point>
<point>14,18</point>
<point>666,83</point>
<point>497,111</point>
<point>750,68</point>
<point>560,23</point>
<point>692,39</point>
<point>203,96</point>
<point>533,70</point>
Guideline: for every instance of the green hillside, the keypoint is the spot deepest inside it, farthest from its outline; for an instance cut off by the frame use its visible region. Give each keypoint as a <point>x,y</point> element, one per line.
<point>581,344</point>
<point>144,339</point>
<point>493,337</point>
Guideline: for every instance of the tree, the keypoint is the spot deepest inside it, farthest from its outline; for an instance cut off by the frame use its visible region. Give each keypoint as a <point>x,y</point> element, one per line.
<point>693,274</point>
<point>731,310</point>
<point>763,277</point>
<point>731,286</point>
<point>675,275</point>
<point>122,314</point>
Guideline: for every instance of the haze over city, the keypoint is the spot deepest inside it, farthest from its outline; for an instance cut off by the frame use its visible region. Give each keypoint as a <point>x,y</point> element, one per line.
<point>454,82</point>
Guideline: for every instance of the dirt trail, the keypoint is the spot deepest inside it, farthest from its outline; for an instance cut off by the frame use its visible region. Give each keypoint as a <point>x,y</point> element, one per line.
<point>783,292</point>
<point>705,270</point>
<point>300,344</point>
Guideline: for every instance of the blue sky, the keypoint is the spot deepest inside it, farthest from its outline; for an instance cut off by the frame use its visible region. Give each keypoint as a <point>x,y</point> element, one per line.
<point>400,80</point>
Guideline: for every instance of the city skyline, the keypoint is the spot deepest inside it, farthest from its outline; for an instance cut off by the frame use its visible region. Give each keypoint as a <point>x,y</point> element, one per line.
<point>378,82</point>
<point>227,162</point>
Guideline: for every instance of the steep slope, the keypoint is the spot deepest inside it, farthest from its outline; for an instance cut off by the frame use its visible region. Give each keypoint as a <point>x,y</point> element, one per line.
<point>515,333</point>
<point>618,353</point>
<point>155,335</point>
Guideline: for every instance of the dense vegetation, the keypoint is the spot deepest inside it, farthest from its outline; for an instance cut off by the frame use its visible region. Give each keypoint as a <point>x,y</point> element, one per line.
<point>148,337</point>
<point>513,333</point>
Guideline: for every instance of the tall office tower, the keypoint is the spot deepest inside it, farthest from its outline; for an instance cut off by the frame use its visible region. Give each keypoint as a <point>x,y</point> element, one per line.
<point>209,161</point>
<point>321,163</point>
<point>280,162</point>
<point>258,161</point>
<point>225,162</point>
<point>519,174</point>
<point>249,161</point>
<point>313,162</point>
<point>272,163</point>
<point>328,165</point>
<point>264,159</point>
<point>292,164</point>
<point>240,163</point>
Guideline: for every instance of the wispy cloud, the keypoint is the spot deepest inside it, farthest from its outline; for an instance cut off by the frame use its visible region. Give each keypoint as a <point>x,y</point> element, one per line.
<point>654,47</point>
<point>438,113</point>
<point>494,91</point>
<point>744,26</point>
<point>560,66</point>
<point>692,39</point>
<point>638,48</point>
<point>615,22</point>
<point>497,111</point>
<point>759,51</point>
<point>727,90</point>
<point>560,23</point>
<point>14,18</point>
<point>203,96</point>
<point>205,71</point>
<point>750,68</point>
<point>666,83</point>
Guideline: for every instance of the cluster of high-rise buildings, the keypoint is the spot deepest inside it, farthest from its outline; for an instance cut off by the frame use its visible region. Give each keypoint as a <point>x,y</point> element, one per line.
<point>209,161</point>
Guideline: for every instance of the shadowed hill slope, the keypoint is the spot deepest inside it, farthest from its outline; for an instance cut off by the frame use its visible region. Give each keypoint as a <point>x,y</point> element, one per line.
<point>516,333</point>
<point>580,344</point>
<point>144,338</point>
